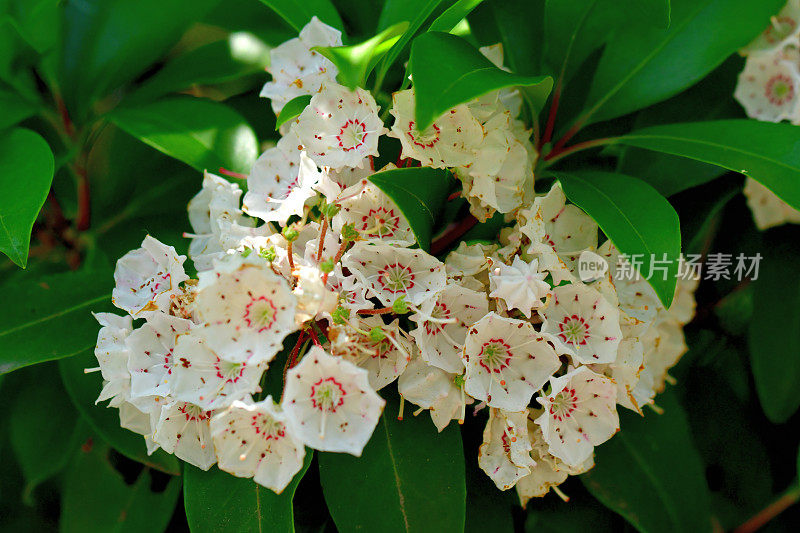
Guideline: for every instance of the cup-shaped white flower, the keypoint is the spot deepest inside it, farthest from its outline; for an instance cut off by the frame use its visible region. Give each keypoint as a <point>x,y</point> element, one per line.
<point>247,309</point>
<point>451,141</point>
<point>507,361</point>
<point>296,69</point>
<point>768,210</point>
<point>375,217</point>
<point>254,440</point>
<point>781,31</point>
<point>206,380</point>
<point>183,429</point>
<point>151,360</point>
<point>329,403</point>
<point>505,454</point>
<point>520,285</point>
<point>432,388</point>
<point>442,324</point>
<point>147,277</point>
<point>112,355</point>
<point>583,324</point>
<point>580,413</point>
<point>769,87</point>
<point>340,127</point>
<point>390,272</point>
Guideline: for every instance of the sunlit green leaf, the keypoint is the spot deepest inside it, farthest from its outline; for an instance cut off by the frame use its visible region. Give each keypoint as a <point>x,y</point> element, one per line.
<point>292,110</point>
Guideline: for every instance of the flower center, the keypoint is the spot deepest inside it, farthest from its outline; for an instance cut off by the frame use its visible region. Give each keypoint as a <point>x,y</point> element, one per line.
<point>260,313</point>
<point>396,278</point>
<point>229,372</point>
<point>495,355</point>
<point>563,404</point>
<point>439,312</point>
<point>380,222</point>
<point>423,139</point>
<point>351,135</point>
<point>268,426</point>
<point>193,412</point>
<point>574,330</point>
<point>779,90</point>
<point>327,394</point>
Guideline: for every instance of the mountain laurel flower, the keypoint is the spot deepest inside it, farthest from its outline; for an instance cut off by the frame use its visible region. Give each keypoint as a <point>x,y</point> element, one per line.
<point>507,361</point>
<point>782,31</point>
<point>151,361</point>
<point>430,387</point>
<point>768,210</point>
<point>340,127</point>
<point>112,354</point>
<point>375,217</point>
<point>183,429</point>
<point>768,87</point>
<point>520,285</point>
<point>254,440</point>
<point>505,454</point>
<point>147,277</point>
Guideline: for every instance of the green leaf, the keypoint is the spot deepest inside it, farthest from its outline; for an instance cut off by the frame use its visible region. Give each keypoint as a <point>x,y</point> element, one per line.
<point>766,152</point>
<point>292,110</point>
<point>409,478</point>
<point>97,498</point>
<point>83,390</point>
<point>108,43</point>
<point>651,472</point>
<point>13,108</point>
<point>355,62</point>
<point>298,13</point>
<point>448,71</point>
<point>218,501</point>
<point>454,14</point>
<point>642,65</point>
<point>26,171</point>
<point>639,221</point>
<point>775,326</point>
<point>203,134</point>
<point>236,56</point>
<point>34,429</point>
<point>50,317</point>
<point>419,193</point>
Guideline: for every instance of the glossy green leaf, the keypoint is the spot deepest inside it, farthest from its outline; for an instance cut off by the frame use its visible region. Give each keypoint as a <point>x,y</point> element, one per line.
<point>642,65</point>
<point>96,497</point>
<point>355,62</point>
<point>228,59</point>
<point>651,473</point>
<point>454,14</point>
<point>203,134</point>
<point>640,222</point>
<point>26,171</point>
<point>83,389</point>
<point>298,13</point>
<point>292,110</point>
<point>218,501</point>
<point>34,426</point>
<point>775,326</point>
<point>408,478</point>
<point>50,318</point>
<point>448,71</point>
<point>766,152</point>
<point>108,43</point>
<point>13,108</point>
<point>419,193</point>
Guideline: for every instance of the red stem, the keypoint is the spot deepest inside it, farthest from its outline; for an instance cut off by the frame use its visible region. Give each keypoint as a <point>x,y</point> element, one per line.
<point>453,196</point>
<point>450,236</point>
<point>83,218</point>
<point>757,521</point>
<point>557,154</point>
<point>230,173</point>
<point>551,119</point>
<point>381,311</point>
<point>322,237</point>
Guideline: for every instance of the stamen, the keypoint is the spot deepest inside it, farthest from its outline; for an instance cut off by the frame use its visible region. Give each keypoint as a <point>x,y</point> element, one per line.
<point>402,405</point>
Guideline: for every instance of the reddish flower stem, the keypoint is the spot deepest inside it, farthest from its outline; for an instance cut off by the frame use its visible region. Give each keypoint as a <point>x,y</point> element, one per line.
<point>314,337</point>
<point>322,233</point>
<point>756,522</point>
<point>452,234</point>
<point>381,311</point>
<point>230,173</point>
<point>84,215</point>
<point>551,118</point>
<point>556,155</point>
<point>453,196</point>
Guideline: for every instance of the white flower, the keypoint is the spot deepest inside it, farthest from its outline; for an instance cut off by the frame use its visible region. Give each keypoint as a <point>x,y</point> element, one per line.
<point>390,272</point>
<point>469,259</point>
<point>434,389</point>
<point>351,294</point>
<point>296,69</point>
<point>313,297</point>
<point>768,210</point>
<point>442,325</point>
<point>142,418</point>
<point>183,429</point>
<point>375,217</point>
<point>451,141</point>
<point>519,284</point>
<point>151,354</point>
<point>247,309</point>
<point>254,440</point>
<point>385,358</point>
<point>206,380</point>
<point>768,87</point>
<point>280,182</point>
<point>583,324</point>
<point>505,452</point>
<point>625,371</point>
<point>112,354</point>
<point>664,344</point>
<point>683,303</point>
<point>580,413</point>
<point>507,361</point>
<point>782,30</point>
<point>147,277</point>
<point>329,403</point>
<point>345,182</point>
<point>340,127</point>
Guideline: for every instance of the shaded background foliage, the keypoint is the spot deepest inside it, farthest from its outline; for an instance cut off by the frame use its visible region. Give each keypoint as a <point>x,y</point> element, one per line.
<point>110,110</point>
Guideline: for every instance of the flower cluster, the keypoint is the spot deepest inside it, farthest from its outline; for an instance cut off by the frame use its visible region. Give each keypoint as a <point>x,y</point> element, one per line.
<point>769,90</point>
<point>317,256</point>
